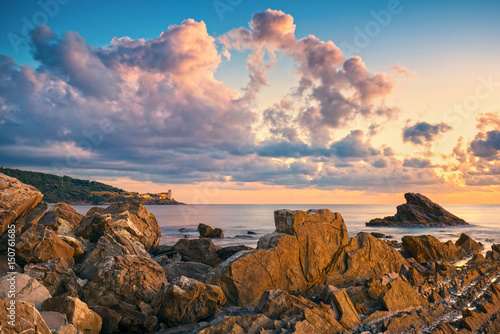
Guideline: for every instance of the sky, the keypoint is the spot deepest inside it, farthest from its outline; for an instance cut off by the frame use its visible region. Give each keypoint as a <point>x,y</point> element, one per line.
<point>233,101</point>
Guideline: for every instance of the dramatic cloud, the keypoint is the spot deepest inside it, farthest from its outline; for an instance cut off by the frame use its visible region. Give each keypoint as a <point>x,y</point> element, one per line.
<point>417,163</point>
<point>153,110</point>
<point>486,145</point>
<point>353,146</point>
<point>422,132</point>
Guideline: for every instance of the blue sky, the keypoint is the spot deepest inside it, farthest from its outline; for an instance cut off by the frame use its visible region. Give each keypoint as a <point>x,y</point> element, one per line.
<point>189,110</point>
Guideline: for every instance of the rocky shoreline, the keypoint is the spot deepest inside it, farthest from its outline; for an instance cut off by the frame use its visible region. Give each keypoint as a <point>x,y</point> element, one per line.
<point>105,272</point>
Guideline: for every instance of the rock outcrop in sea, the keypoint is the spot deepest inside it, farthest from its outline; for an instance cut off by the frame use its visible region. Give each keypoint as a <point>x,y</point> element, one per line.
<point>419,211</point>
<point>105,272</point>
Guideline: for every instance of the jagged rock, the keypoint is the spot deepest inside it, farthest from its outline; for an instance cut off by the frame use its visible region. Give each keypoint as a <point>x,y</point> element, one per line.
<point>247,324</point>
<point>22,224</point>
<point>414,277</point>
<point>468,244</point>
<point>161,249</point>
<point>476,259</point>
<point>186,300</point>
<point>349,318</point>
<point>16,200</point>
<point>444,328</point>
<point>296,263</point>
<point>274,303</point>
<point>26,318</point>
<point>133,320</point>
<point>401,296</point>
<point>226,252</point>
<point>26,289</point>
<point>426,248</point>
<point>129,216</point>
<point>79,247</point>
<point>198,250</point>
<point>128,278</point>
<point>434,297</point>
<point>40,244</point>
<point>195,270</point>
<point>110,319</point>
<point>54,320</point>
<point>77,313</point>
<point>56,275</point>
<point>61,218</point>
<point>68,329</point>
<point>363,257</point>
<point>208,232</point>
<point>322,320</point>
<point>418,211</point>
<point>119,243</point>
<point>375,316</point>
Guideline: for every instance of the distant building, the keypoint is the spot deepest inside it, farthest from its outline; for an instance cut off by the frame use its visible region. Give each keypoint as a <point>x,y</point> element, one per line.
<point>167,195</point>
<point>145,195</point>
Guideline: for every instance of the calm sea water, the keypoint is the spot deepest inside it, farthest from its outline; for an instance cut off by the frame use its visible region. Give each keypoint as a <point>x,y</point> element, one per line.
<point>237,219</point>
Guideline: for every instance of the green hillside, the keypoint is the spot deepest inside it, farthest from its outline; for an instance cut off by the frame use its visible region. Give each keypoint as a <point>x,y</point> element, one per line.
<point>67,189</point>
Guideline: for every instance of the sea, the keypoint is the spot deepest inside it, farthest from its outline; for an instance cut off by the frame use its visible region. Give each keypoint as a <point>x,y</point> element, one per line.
<point>244,224</point>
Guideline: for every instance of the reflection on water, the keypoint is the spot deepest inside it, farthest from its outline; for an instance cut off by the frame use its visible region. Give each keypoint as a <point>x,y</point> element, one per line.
<point>237,219</point>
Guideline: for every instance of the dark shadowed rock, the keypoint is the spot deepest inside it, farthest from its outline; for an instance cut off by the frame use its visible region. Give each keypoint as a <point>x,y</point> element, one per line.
<point>208,232</point>
<point>40,244</point>
<point>132,320</point>
<point>27,289</point>
<point>27,319</point>
<point>161,249</point>
<point>62,218</point>
<point>186,300</point>
<point>195,270</point>
<point>77,313</point>
<point>118,243</point>
<point>56,275</point>
<point>128,278</point>
<point>363,257</point>
<point>16,200</point>
<point>401,296</point>
<point>419,211</point>
<point>302,254</point>
<point>468,244</point>
<point>110,318</point>
<point>131,217</point>
<point>198,250</point>
<point>226,252</point>
<point>427,248</point>
<point>246,324</point>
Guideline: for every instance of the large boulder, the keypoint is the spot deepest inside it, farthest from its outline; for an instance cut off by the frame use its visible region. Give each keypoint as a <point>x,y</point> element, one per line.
<point>77,313</point>
<point>62,218</point>
<point>401,296</point>
<point>426,248</point>
<point>198,250</point>
<point>118,243</point>
<point>348,316</point>
<point>133,320</point>
<point>132,217</point>
<point>364,257</point>
<point>110,319</point>
<point>186,300</point>
<point>195,270</point>
<point>25,287</point>
<point>419,211</point>
<point>16,200</point>
<point>297,258</point>
<point>22,224</point>
<point>40,244</point>
<point>468,244</point>
<point>129,278</point>
<point>56,275</point>
<point>25,317</point>
<point>209,232</point>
